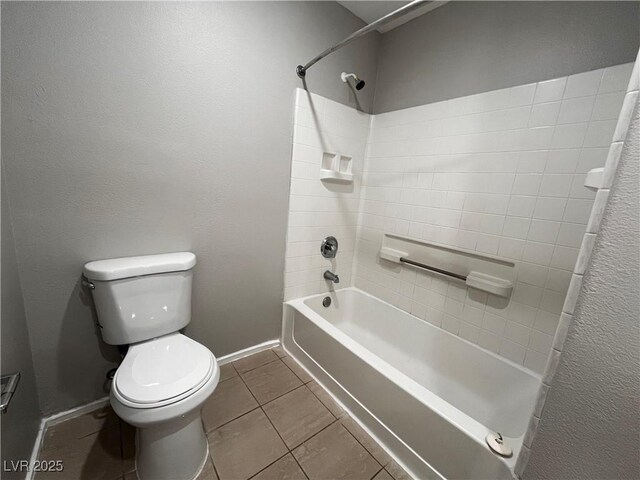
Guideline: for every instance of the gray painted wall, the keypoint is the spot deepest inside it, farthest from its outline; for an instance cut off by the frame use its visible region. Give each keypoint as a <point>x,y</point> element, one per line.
<point>139,128</point>
<point>590,423</point>
<point>464,48</point>
<point>20,423</point>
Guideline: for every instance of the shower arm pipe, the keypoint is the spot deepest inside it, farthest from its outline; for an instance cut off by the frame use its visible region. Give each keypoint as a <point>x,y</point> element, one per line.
<point>301,70</point>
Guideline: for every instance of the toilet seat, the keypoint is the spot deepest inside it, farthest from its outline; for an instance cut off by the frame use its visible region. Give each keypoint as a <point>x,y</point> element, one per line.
<point>162,371</point>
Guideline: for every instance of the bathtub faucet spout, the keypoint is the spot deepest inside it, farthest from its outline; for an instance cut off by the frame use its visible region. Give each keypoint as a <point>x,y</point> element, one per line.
<point>331,276</point>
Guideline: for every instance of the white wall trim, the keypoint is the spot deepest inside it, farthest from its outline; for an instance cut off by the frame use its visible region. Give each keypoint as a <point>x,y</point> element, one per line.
<point>37,445</point>
<point>60,417</point>
<point>232,357</point>
<point>55,419</point>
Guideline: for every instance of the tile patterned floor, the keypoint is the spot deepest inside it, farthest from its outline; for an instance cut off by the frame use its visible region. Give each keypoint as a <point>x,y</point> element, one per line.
<point>267,419</point>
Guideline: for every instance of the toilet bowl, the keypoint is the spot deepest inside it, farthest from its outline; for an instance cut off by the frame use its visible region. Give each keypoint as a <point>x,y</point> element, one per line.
<point>165,377</point>
<point>160,388</point>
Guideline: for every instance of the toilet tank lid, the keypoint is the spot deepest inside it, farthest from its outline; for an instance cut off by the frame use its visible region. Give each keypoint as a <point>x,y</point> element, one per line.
<point>117,268</point>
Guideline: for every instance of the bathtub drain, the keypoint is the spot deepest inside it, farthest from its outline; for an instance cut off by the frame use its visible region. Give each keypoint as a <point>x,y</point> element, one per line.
<point>326,301</point>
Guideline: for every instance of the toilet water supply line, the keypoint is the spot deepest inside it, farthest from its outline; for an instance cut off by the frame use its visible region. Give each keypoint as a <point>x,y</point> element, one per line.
<point>301,70</point>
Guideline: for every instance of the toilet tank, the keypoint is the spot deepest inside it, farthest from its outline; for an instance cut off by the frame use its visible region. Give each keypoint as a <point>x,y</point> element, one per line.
<point>139,298</point>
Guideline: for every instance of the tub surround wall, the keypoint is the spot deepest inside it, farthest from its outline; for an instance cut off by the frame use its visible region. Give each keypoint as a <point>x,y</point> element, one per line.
<point>139,128</point>
<point>599,335</point>
<point>501,173</point>
<point>584,257</point>
<point>534,144</point>
<point>463,48</point>
<point>317,209</point>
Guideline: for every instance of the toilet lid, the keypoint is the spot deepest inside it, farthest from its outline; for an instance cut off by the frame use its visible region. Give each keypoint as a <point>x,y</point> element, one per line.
<point>163,368</point>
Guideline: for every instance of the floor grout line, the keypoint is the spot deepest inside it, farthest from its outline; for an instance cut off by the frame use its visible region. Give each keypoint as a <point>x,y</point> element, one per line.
<point>228,378</point>
<point>292,371</point>
<point>325,405</point>
<point>207,433</point>
<point>272,463</point>
<point>376,474</point>
<point>251,369</point>
<point>297,446</point>
<point>253,409</point>
<point>290,449</point>
<point>274,427</point>
<point>383,467</point>
<point>285,444</point>
<point>317,433</point>
<point>299,466</point>
<point>307,439</point>
<point>362,445</point>
<point>215,470</point>
<point>279,396</point>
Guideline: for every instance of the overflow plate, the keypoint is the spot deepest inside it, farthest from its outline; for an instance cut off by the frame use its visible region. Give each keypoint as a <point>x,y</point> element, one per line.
<point>497,445</point>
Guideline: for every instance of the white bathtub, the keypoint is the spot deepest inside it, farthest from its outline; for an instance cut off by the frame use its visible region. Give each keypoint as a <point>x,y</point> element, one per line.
<point>429,396</point>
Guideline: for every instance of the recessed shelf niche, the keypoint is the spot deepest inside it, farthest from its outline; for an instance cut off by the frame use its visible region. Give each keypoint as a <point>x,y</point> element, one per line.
<point>336,168</point>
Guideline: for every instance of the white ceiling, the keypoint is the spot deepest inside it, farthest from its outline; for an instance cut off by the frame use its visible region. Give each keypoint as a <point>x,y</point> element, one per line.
<point>370,11</point>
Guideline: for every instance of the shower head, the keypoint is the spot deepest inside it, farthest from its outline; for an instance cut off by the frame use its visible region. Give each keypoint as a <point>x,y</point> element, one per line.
<point>359,84</point>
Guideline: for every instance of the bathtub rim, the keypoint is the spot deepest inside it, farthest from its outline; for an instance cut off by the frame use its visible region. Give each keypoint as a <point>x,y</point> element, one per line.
<point>521,368</point>
<point>460,420</point>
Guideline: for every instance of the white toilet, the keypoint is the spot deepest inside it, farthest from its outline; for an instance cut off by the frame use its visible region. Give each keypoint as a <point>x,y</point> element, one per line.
<point>165,377</point>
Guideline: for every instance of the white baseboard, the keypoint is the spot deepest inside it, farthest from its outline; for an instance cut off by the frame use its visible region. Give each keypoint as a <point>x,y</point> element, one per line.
<point>232,357</point>
<point>56,418</point>
<point>35,453</point>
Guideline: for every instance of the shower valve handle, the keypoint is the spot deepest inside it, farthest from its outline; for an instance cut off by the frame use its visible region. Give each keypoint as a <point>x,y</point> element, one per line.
<point>329,247</point>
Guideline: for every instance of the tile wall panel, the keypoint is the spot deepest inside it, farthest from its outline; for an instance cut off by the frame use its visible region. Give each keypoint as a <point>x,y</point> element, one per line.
<point>317,208</point>
<point>501,173</point>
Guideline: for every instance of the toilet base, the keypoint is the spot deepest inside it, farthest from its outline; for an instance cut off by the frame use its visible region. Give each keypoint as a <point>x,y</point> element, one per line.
<point>174,450</point>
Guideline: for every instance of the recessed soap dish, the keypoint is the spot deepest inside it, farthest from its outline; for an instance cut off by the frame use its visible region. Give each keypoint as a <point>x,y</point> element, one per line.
<point>336,167</point>
<point>332,175</point>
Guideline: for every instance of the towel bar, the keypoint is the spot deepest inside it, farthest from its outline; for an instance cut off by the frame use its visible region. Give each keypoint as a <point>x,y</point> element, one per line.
<point>434,269</point>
